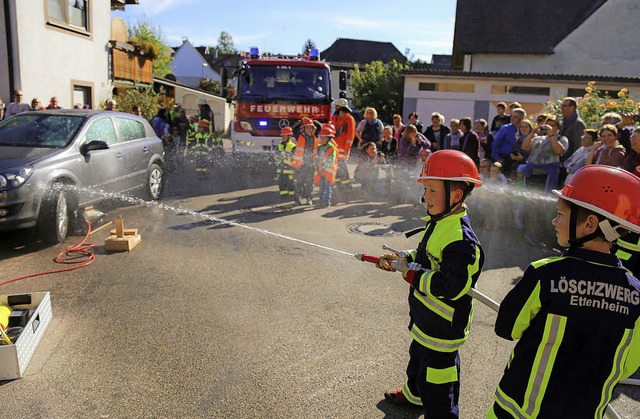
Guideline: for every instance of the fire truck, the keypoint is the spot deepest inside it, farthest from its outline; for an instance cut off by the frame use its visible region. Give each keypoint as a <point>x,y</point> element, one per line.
<point>274,92</point>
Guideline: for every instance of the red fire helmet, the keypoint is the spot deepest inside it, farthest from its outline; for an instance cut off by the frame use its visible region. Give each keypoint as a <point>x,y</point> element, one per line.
<point>306,122</point>
<point>450,165</point>
<point>328,129</point>
<point>286,131</point>
<point>610,191</point>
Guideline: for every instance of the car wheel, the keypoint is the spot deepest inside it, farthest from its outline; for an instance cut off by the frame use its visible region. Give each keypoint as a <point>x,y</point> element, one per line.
<point>53,222</point>
<point>155,182</point>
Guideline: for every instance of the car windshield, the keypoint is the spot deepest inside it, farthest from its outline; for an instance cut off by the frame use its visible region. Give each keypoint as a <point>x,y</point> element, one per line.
<point>298,84</point>
<point>39,130</point>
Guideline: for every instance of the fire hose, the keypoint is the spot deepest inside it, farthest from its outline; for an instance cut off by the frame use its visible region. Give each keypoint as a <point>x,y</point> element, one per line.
<point>474,293</point>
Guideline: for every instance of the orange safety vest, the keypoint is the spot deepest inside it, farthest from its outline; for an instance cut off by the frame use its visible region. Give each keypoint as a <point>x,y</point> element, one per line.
<point>298,153</point>
<point>345,133</point>
<point>328,164</point>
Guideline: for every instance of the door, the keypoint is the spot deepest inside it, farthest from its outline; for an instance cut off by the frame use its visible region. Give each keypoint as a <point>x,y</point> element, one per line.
<point>105,168</point>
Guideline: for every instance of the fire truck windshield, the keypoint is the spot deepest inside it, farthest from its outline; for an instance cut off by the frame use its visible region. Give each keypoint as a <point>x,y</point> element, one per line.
<point>282,83</point>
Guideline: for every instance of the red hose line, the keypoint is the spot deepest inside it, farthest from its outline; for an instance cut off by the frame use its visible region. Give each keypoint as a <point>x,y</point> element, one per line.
<point>79,255</point>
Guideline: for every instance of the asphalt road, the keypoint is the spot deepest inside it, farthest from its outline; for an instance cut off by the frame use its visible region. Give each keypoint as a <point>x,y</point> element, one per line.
<point>251,308</point>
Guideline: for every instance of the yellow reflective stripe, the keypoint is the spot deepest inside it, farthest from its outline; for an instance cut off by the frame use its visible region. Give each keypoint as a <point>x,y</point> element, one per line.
<point>442,376</point>
<point>616,372</point>
<point>439,345</point>
<point>623,255</point>
<point>410,397</point>
<point>510,405</point>
<point>629,246</point>
<point>435,305</point>
<point>527,313</point>
<point>543,363</point>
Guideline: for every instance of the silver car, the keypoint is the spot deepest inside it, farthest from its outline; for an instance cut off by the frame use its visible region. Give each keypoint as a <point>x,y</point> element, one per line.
<point>53,163</point>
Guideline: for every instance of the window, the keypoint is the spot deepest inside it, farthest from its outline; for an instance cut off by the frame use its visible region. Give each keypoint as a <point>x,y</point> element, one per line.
<point>130,129</point>
<point>102,130</point>
<point>82,94</point>
<point>72,14</point>
<point>447,87</point>
<point>501,89</point>
<point>572,92</point>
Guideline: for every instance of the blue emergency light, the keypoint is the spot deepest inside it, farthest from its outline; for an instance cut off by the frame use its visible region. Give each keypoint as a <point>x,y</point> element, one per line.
<point>314,54</point>
<point>262,123</point>
<point>254,52</point>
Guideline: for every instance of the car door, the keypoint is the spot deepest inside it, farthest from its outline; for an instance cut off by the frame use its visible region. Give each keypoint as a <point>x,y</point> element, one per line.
<point>137,150</point>
<point>106,167</point>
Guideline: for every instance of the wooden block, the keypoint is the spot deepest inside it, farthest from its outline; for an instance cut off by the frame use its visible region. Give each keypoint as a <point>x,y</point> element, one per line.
<point>119,227</point>
<point>127,232</point>
<point>122,244</point>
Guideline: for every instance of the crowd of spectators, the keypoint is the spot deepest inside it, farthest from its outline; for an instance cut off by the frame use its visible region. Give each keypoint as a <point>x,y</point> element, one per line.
<point>520,161</point>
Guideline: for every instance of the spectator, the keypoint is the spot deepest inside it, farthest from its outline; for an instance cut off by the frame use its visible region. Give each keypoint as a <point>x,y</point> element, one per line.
<point>182,123</point>
<point>518,156</point>
<point>470,142</point>
<point>485,167</point>
<point>36,105</point>
<point>137,110</point>
<point>368,170</point>
<point>452,140</point>
<point>505,137</point>
<point>370,128</point>
<point>398,126</point>
<point>544,151</point>
<point>486,138</point>
<point>495,196</point>
<point>572,126</point>
<point>437,131</point>
<point>53,103</point>
<point>632,163</point>
<point>579,157</point>
<point>389,145</point>
<point>110,105</point>
<point>389,148</point>
<point>501,118</point>
<point>624,125</point>
<point>413,119</point>
<point>78,106</point>
<point>410,145</point>
<point>608,150</point>
<point>16,106</point>
<point>160,123</point>
<point>514,105</point>
<point>3,106</point>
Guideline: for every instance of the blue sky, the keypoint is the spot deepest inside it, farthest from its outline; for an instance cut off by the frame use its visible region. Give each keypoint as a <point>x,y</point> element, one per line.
<point>283,26</point>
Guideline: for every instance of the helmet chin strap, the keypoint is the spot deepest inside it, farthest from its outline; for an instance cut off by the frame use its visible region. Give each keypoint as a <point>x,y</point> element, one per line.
<point>605,229</point>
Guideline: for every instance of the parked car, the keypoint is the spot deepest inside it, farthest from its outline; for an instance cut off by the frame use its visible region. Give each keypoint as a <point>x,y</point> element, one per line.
<point>55,163</point>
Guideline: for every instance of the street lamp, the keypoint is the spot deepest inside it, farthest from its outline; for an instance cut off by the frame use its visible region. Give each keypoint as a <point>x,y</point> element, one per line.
<point>203,66</point>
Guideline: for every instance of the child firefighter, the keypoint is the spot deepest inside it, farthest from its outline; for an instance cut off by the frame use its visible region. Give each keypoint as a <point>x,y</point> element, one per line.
<point>326,164</point>
<point>440,272</point>
<point>576,316</point>
<point>284,165</point>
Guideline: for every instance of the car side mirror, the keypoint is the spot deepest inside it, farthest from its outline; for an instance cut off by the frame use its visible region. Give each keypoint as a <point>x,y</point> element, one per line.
<point>93,145</point>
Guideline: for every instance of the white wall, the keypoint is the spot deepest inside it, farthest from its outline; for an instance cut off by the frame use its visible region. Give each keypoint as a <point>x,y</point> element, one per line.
<point>49,59</point>
<point>605,44</point>
<point>187,66</point>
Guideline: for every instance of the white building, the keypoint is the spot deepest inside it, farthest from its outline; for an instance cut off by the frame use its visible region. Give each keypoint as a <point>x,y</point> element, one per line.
<point>57,48</point>
<point>528,52</point>
<point>189,66</point>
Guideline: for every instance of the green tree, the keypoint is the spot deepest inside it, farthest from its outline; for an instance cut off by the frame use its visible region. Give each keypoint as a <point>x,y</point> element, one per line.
<point>145,97</point>
<point>379,86</point>
<point>150,40</point>
<point>225,44</point>
<point>309,45</point>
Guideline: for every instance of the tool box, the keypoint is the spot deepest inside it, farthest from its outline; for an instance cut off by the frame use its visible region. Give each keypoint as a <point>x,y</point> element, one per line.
<point>15,358</point>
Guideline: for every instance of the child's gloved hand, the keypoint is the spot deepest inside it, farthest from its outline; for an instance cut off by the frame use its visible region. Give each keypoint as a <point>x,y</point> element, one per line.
<point>392,262</point>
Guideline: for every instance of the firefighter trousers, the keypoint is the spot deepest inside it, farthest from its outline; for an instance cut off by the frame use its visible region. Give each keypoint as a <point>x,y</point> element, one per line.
<point>433,380</point>
<point>304,181</point>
